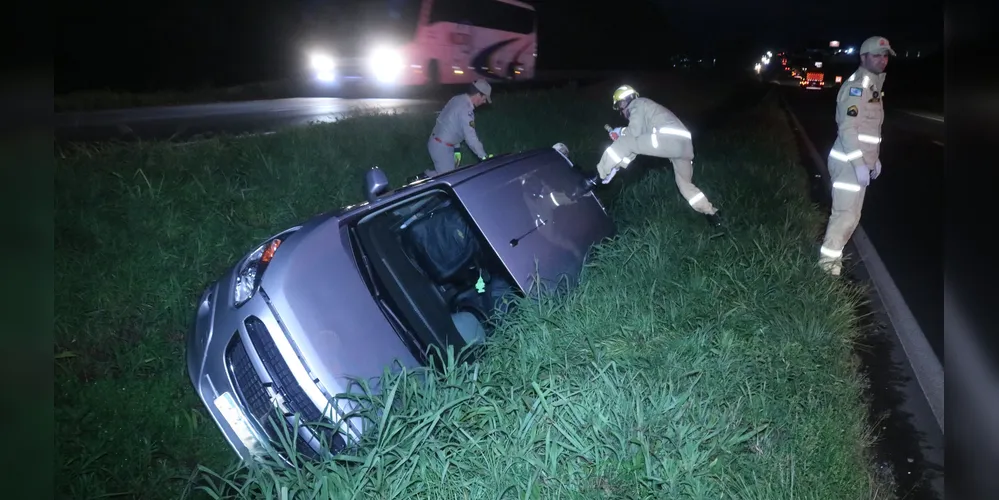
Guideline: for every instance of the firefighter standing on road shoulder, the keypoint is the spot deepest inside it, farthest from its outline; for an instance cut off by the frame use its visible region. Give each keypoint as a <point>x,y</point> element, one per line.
<point>456,123</point>
<point>654,130</point>
<point>853,160</point>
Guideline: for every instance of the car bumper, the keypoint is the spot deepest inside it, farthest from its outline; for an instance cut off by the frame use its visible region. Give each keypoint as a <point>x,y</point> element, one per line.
<point>243,379</point>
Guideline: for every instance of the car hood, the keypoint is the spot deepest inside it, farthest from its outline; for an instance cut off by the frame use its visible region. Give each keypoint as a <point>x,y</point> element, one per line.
<point>315,290</point>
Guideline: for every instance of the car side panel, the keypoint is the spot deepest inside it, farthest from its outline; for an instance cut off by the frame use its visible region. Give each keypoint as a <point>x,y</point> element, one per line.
<point>538,217</point>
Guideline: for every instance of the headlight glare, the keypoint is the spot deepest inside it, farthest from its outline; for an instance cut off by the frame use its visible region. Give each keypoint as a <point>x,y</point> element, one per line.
<point>386,64</point>
<point>322,63</point>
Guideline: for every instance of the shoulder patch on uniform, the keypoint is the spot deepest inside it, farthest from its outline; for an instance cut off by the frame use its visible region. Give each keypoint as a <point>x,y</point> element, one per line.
<point>856,91</point>
<point>851,111</point>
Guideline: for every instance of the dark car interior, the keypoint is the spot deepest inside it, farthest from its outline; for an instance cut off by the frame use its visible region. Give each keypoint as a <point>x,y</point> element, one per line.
<point>440,276</point>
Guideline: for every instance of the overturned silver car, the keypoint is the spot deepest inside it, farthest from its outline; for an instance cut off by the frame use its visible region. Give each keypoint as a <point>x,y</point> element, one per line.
<point>350,293</point>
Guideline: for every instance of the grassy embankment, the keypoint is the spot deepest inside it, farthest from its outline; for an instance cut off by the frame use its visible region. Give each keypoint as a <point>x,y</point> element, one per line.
<point>687,366</point>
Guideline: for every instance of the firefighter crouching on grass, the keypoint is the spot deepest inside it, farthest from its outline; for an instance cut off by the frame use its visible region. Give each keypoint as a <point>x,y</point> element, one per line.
<point>654,130</point>
<point>456,123</point>
<point>853,159</point>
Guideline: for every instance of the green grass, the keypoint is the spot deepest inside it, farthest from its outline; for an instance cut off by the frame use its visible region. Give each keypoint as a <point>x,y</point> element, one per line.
<point>685,366</point>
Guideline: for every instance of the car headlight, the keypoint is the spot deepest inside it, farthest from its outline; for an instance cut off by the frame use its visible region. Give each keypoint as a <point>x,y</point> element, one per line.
<point>251,270</point>
<point>386,64</point>
<point>323,66</point>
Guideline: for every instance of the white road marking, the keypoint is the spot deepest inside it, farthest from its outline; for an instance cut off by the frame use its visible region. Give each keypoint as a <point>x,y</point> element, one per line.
<point>928,116</point>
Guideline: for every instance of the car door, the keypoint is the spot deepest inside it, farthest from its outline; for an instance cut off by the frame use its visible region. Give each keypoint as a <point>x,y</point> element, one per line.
<point>538,217</point>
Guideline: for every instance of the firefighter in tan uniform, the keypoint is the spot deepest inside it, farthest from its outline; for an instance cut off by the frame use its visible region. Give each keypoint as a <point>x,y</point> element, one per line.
<point>654,130</point>
<point>853,160</point>
<point>455,124</point>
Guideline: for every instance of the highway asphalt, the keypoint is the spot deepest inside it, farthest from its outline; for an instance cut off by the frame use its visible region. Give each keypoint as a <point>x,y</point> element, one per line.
<point>192,121</point>
<point>183,122</point>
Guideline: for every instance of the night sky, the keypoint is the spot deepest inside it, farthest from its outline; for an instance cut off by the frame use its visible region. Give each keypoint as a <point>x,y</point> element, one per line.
<point>187,43</point>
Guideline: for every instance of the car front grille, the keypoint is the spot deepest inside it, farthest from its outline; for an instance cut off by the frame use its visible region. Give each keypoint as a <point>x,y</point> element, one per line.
<point>256,395</point>
<point>352,68</point>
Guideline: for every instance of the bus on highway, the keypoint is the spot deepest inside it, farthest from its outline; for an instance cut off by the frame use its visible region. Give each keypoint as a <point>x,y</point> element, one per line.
<point>426,42</point>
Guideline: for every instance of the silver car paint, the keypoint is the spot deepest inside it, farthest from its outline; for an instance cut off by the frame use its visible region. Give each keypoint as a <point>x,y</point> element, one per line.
<point>319,311</point>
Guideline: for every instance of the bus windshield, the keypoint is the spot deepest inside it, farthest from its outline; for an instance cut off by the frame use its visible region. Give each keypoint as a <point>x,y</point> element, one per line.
<point>489,14</point>
<point>356,20</point>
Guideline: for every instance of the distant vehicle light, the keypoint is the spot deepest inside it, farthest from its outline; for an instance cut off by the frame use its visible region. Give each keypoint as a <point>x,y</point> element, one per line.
<point>839,79</point>
<point>818,64</point>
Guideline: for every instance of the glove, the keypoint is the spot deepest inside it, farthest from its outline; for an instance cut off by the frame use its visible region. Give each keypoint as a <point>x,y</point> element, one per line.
<point>877,170</point>
<point>610,176</point>
<point>863,175</point>
<point>615,134</point>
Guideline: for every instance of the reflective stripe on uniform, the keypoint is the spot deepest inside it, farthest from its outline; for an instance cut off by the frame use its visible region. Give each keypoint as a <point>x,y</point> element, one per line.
<point>869,139</point>
<point>846,186</point>
<point>667,131</point>
<point>839,155</point>
<point>828,252</point>
<point>696,198</point>
<point>613,155</point>
<point>672,131</point>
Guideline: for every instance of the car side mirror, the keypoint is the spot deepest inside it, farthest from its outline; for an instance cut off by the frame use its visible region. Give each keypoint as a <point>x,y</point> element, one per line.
<point>375,184</point>
<point>563,150</point>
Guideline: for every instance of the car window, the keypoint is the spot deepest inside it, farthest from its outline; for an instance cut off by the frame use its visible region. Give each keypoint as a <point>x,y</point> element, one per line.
<point>444,281</point>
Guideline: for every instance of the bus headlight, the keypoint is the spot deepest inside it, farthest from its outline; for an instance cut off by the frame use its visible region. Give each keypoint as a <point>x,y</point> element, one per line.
<point>386,64</point>
<point>323,65</point>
